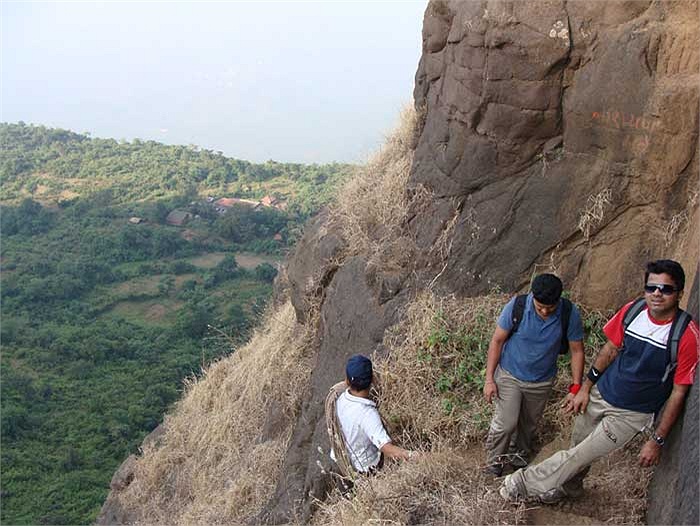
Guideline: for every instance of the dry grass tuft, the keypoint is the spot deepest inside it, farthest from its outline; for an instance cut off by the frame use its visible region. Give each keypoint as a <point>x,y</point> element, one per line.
<point>619,470</point>
<point>433,375</point>
<point>213,465</point>
<point>371,208</point>
<point>440,488</point>
<point>592,215</point>
<point>675,226</point>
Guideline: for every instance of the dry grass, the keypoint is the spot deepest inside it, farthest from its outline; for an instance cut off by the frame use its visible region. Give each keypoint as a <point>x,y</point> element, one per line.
<point>618,470</point>
<point>439,340</point>
<point>440,488</point>
<point>371,208</point>
<point>593,213</point>
<point>433,375</point>
<point>213,466</point>
<point>678,221</point>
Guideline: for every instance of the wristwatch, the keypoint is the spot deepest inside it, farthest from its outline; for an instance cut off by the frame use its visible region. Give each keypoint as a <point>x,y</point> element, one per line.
<point>659,440</point>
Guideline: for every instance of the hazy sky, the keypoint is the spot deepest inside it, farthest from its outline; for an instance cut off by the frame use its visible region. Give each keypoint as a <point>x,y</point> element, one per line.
<point>286,80</point>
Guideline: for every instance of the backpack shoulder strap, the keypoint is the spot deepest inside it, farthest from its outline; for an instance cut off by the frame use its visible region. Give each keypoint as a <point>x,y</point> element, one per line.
<point>518,311</point>
<point>335,432</point>
<point>632,313</point>
<point>566,307</point>
<point>678,326</point>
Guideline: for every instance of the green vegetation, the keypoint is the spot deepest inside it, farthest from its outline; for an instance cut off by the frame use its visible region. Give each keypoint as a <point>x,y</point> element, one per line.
<point>102,319</point>
<point>459,351</point>
<point>52,165</point>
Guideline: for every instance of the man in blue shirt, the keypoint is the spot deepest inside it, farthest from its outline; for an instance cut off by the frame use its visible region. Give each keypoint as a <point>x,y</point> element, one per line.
<point>521,369</point>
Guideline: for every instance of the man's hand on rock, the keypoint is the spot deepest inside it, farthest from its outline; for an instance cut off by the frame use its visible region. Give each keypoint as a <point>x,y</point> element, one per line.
<point>649,455</point>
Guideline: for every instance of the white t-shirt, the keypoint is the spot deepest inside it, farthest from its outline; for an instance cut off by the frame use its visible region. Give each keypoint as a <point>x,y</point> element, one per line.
<point>363,430</point>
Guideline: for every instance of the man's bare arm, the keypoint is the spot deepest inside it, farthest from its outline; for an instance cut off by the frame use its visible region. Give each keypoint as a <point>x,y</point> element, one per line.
<point>392,451</point>
<point>492,358</point>
<point>577,361</point>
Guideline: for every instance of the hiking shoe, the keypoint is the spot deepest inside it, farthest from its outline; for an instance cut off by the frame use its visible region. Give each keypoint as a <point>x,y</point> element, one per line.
<point>509,490</point>
<point>573,490</point>
<point>518,461</point>
<point>494,470</point>
<point>552,496</point>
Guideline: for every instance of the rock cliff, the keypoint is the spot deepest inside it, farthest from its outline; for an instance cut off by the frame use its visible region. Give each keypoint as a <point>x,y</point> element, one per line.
<point>552,135</point>
<point>558,134</point>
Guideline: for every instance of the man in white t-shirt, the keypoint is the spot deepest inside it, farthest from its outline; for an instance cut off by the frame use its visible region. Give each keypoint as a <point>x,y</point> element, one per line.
<point>366,440</point>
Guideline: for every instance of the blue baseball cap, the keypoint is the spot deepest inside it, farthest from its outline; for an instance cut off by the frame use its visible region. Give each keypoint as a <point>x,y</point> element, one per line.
<point>359,371</point>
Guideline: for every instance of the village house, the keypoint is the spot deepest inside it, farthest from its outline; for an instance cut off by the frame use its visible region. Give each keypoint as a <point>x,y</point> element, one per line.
<point>268,200</point>
<point>272,201</point>
<point>228,202</point>
<point>178,217</point>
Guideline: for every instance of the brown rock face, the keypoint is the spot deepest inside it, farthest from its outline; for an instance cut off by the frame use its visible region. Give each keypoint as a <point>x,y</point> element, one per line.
<point>356,307</point>
<point>561,135</point>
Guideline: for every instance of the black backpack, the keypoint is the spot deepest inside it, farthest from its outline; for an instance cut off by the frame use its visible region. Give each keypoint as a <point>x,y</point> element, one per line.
<point>678,326</point>
<point>519,309</point>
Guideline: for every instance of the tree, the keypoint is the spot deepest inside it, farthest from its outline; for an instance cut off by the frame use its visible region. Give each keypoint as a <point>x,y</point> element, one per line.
<point>265,272</point>
<point>166,285</point>
<point>226,269</point>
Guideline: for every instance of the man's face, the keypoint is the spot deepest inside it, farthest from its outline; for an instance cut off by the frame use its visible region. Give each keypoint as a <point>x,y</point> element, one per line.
<point>544,311</point>
<point>662,296</point>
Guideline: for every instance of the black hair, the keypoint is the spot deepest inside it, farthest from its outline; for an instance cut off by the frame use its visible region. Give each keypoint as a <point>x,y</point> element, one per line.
<point>546,288</point>
<point>360,384</point>
<point>666,266</point>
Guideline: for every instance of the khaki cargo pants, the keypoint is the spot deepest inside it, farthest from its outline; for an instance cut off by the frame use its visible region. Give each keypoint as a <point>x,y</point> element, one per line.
<point>517,411</point>
<point>602,429</point>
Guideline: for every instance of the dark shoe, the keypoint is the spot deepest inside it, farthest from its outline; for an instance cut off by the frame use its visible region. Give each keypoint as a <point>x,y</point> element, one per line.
<point>552,496</point>
<point>494,470</point>
<point>518,461</point>
<point>573,490</point>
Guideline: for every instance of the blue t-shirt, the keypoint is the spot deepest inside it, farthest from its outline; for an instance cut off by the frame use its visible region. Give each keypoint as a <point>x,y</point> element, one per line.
<point>531,353</point>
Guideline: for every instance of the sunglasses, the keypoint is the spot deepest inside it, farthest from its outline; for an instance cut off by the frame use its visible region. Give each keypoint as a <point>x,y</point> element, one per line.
<point>666,290</point>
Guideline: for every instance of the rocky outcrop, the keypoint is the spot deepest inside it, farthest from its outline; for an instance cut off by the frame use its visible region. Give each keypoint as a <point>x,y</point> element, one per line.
<point>113,512</point>
<point>558,135</point>
<point>357,303</point>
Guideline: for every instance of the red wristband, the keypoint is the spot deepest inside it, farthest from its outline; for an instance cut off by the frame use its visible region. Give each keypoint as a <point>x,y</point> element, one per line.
<point>574,388</point>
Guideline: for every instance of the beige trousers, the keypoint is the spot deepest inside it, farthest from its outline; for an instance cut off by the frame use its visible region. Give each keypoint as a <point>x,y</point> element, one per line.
<point>517,411</point>
<point>602,429</point>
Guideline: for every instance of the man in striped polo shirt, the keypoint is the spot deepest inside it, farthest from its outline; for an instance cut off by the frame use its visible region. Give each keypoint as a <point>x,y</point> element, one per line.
<point>636,372</point>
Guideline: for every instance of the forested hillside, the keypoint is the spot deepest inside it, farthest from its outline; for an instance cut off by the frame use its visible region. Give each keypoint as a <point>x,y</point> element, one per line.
<point>56,165</point>
<point>107,305</point>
